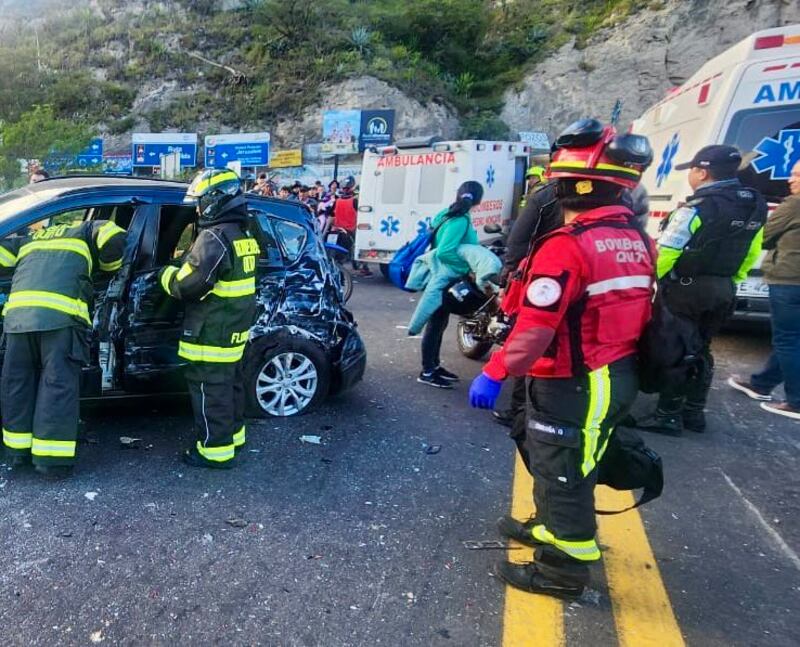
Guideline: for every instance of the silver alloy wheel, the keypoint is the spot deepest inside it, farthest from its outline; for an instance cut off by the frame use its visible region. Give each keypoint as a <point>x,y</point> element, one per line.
<point>467,339</point>
<point>286,384</point>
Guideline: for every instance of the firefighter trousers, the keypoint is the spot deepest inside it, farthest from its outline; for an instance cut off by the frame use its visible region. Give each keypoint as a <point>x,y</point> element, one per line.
<point>40,393</point>
<point>217,395</point>
<point>568,424</point>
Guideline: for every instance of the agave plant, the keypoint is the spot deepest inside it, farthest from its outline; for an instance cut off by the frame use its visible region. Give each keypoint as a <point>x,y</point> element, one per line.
<point>360,38</point>
<point>464,83</point>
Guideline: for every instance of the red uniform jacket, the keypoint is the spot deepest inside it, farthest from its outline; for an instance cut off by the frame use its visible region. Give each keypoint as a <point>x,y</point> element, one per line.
<point>344,213</point>
<point>591,282</point>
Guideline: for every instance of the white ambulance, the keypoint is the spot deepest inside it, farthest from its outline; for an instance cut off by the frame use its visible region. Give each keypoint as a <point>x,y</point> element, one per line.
<point>748,97</point>
<point>405,185</point>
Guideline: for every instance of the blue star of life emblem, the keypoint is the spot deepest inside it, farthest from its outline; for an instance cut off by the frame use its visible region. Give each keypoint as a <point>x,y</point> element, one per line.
<point>778,156</point>
<point>490,176</point>
<point>667,157</point>
<point>423,226</point>
<point>390,225</point>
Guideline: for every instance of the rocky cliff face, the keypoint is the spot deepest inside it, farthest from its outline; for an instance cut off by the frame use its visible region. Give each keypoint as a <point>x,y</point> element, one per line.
<point>637,61</point>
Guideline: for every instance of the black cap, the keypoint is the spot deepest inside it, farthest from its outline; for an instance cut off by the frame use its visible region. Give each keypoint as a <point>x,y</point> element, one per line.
<point>713,157</point>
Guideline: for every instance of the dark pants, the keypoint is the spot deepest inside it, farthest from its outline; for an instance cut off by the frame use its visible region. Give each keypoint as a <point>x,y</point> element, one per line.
<point>41,392</point>
<point>783,364</point>
<point>708,302</point>
<point>432,340</point>
<point>569,423</point>
<point>217,395</point>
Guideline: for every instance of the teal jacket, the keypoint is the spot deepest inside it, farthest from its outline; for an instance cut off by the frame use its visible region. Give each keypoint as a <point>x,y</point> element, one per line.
<point>449,236</point>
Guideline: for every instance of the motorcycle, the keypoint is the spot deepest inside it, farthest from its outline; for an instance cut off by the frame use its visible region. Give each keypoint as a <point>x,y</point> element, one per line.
<point>483,326</point>
<point>338,244</point>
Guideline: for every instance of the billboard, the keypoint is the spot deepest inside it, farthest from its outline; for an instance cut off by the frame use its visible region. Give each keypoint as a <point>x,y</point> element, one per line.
<point>249,149</point>
<point>340,131</point>
<point>377,128</point>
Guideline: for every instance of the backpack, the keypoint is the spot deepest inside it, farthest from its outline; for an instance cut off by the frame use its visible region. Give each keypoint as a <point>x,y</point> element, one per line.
<point>628,464</point>
<point>400,265</point>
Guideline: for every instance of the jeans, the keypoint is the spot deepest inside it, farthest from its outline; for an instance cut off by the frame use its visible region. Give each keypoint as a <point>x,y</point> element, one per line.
<point>783,364</point>
<point>432,340</point>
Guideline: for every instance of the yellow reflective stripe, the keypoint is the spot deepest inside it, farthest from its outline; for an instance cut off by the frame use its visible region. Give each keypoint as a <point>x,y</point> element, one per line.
<point>185,271</point>
<point>57,448</point>
<point>50,300</point>
<point>7,259</point>
<point>585,551</point>
<point>166,277</point>
<point>106,233</point>
<point>573,164</point>
<point>60,245</point>
<point>215,354</point>
<point>217,179</point>
<point>599,401</point>
<point>17,439</point>
<point>217,454</point>
<point>233,289</point>
<point>113,266</point>
<point>239,437</point>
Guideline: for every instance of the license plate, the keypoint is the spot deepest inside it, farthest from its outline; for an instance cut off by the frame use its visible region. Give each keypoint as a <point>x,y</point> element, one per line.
<point>753,288</point>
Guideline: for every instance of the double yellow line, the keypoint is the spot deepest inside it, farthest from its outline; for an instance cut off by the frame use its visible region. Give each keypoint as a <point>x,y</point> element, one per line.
<point>642,611</point>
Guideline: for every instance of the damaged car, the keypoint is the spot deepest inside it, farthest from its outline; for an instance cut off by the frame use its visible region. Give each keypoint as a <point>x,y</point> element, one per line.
<point>303,346</point>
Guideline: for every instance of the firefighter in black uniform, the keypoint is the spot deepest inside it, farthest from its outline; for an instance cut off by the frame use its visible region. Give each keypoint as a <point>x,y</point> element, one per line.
<point>707,247</point>
<point>47,324</point>
<point>218,283</point>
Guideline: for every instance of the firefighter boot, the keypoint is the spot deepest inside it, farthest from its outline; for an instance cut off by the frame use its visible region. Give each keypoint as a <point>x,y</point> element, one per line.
<point>521,531</point>
<point>693,418</point>
<point>529,577</point>
<point>662,422</point>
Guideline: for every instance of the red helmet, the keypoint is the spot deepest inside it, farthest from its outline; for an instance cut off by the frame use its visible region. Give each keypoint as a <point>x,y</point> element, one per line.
<point>589,150</point>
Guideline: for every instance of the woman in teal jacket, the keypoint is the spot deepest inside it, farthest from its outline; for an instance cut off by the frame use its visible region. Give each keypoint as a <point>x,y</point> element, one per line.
<point>453,227</point>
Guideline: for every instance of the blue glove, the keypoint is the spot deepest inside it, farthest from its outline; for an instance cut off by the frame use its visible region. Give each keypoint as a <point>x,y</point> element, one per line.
<point>484,392</point>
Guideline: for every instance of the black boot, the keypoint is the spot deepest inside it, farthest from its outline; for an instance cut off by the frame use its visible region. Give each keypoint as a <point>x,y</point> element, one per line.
<point>694,420</point>
<point>192,457</point>
<point>521,531</point>
<point>504,417</point>
<point>661,422</point>
<point>528,577</point>
<point>18,460</point>
<point>54,472</point>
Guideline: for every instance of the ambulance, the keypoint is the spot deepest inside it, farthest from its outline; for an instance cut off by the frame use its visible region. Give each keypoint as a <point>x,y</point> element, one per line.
<point>404,186</point>
<point>748,97</point>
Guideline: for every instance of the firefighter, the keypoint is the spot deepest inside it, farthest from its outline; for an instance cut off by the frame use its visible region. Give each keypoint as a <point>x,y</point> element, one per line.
<point>584,302</point>
<point>218,283</point>
<point>47,326</point>
<point>707,247</point>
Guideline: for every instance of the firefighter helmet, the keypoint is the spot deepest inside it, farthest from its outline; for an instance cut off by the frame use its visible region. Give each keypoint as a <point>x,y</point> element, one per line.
<point>214,191</point>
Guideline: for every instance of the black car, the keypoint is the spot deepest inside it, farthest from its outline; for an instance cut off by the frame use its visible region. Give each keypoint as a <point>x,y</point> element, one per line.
<point>303,346</point>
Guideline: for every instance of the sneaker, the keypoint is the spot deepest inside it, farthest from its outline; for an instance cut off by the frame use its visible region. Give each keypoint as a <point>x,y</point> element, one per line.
<point>434,379</point>
<point>782,409</point>
<point>669,424</point>
<point>740,384</point>
<point>520,531</point>
<point>446,375</point>
<point>193,458</point>
<point>54,471</point>
<point>527,577</point>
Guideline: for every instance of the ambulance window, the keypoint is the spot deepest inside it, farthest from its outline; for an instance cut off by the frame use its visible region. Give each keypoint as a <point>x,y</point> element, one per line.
<point>431,184</point>
<point>394,185</point>
<point>768,162</point>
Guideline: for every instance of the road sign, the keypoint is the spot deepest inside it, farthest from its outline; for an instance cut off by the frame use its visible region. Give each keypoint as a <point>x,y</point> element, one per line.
<point>535,139</point>
<point>286,159</point>
<point>147,148</point>
<point>117,164</point>
<point>250,149</point>
<point>92,155</point>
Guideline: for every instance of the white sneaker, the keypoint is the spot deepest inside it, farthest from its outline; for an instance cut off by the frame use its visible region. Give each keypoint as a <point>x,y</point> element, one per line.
<point>782,409</point>
<point>740,384</point>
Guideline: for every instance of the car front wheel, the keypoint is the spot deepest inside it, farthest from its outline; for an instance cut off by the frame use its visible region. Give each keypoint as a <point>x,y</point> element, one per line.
<point>285,378</point>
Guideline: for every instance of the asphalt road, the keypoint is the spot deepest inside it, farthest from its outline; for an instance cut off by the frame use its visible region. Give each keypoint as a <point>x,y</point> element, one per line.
<point>358,541</point>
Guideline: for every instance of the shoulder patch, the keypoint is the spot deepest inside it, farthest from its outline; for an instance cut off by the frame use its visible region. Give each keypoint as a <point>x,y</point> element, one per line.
<point>678,233</point>
<point>544,291</point>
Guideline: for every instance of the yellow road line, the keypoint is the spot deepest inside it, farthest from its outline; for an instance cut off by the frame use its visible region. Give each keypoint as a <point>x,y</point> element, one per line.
<point>529,620</point>
<point>642,610</point>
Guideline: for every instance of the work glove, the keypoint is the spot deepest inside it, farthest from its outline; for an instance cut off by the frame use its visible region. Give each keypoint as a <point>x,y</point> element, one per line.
<point>484,392</point>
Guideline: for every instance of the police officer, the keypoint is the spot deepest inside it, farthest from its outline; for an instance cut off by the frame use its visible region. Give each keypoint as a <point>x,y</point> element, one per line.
<point>586,299</point>
<point>706,248</point>
<point>47,327</point>
<point>217,281</point>
<point>534,176</point>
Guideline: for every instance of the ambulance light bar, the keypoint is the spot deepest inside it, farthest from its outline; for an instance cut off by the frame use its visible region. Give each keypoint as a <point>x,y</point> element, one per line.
<point>441,148</point>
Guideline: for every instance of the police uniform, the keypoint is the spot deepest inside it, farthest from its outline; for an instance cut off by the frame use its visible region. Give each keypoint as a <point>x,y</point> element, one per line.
<point>217,281</point>
<point>707,247</point>
<point>591,283</point>
<point>47,324</point>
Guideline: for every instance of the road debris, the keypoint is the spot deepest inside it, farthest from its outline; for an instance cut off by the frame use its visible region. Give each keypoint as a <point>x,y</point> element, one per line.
<point>96,636</point>
<point>488,544</point>
<point>90,495</point>
<point>311,440</point>
<point>129,443</point>
<point>236,522</point>
<point>433,449</point>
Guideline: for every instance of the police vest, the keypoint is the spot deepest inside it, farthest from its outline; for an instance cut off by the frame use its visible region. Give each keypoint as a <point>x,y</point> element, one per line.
<point>217,327</point>
<point>605,323</point>
<point>730,217</point>
<point>52,287</point>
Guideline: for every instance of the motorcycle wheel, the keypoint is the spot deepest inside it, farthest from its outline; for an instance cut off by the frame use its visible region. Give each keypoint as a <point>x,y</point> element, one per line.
<point>468,345</point>
<point>347,282</point>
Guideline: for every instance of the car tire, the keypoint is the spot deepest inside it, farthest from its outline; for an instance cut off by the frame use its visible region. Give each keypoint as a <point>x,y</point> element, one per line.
<point>301,362</point>
<point>384,270</point>
<point>468,346</point>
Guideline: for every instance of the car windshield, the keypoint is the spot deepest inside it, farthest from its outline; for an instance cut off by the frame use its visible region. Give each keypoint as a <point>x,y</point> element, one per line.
<point>15,202</point>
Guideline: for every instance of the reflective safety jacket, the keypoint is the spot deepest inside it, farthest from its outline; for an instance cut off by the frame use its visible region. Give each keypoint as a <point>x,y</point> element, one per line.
<point>52,286</point>
<point>344,212</point>
<point>218,283</point>
<point>717,233</point>
<point>591,283</point>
